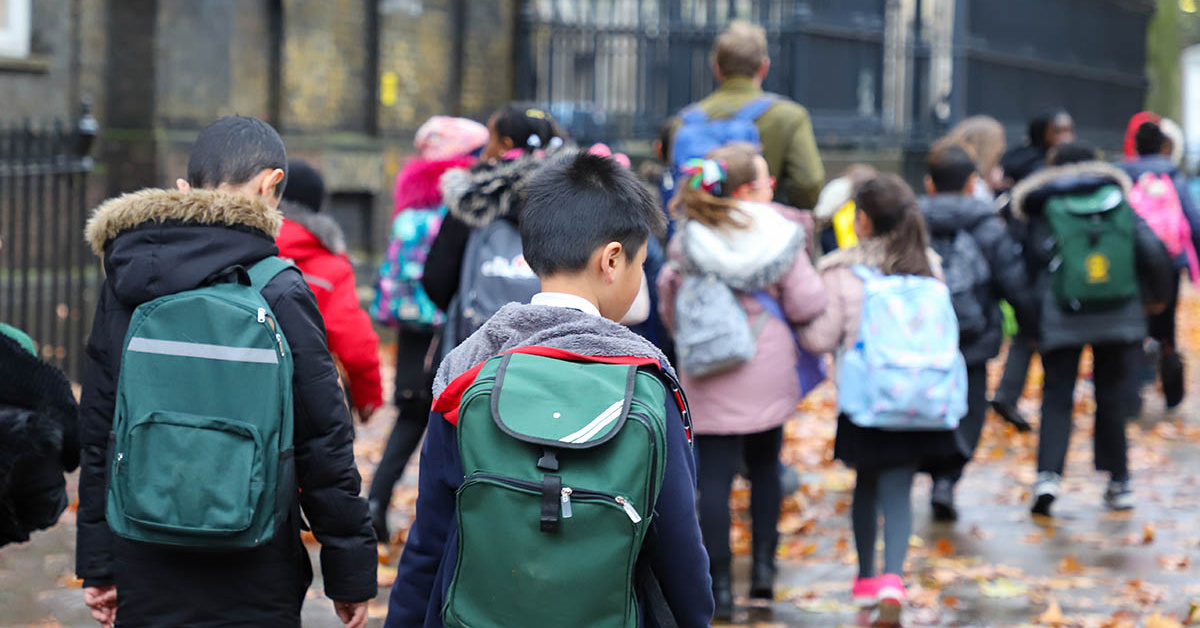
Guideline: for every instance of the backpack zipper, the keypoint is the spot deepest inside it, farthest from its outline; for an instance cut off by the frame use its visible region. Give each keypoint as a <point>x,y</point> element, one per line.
<point>120,457</point>
<point>568,493</point>
<point>262,315</point>
<point>566,502</point>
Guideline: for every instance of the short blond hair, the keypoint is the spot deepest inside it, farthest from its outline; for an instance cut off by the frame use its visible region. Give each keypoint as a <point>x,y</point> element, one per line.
<point>983,137</point>
<point>740,49</point>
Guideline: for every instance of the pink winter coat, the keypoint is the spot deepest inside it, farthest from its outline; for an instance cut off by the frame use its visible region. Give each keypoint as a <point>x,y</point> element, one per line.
<point>771,255</point>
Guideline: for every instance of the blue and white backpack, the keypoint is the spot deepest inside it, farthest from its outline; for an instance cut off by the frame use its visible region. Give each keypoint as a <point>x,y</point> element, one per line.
<point>698,134</point>
<point>906,371</point>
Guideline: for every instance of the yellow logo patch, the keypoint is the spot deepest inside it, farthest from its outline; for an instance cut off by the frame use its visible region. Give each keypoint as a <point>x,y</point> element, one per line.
<point>1097,268</point>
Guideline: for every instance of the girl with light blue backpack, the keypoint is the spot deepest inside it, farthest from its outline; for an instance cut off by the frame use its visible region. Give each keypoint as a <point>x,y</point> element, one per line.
<point>901,379</point>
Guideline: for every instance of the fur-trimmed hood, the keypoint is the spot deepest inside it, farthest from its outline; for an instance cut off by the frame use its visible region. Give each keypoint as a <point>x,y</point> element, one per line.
<point>745,258</point>
<point>1031,193</point>
<point>417,183</point>
<point>159,242</point>
<point>489,190</point>
<point>322,227</point>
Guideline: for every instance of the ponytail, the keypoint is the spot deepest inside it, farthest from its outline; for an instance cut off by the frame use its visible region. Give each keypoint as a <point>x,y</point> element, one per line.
<point>708,183</point>
<point>896,217</point>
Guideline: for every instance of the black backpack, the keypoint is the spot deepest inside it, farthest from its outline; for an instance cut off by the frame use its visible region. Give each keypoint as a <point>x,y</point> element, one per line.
<point>967,276</point>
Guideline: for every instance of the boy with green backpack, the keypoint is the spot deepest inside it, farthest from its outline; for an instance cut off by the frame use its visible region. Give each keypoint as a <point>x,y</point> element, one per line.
<point>557,481</point>
<point>212,416</point>
<point>1098,266</point>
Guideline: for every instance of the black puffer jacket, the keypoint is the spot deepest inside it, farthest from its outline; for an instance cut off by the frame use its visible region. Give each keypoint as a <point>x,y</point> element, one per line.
<point>946,215</point>
<point>1058,328</point>
<point>39,441</point>
<point>155,243</point>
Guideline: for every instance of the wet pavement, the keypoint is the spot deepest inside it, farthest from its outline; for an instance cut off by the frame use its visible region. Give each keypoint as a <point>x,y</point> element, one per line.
<point>996,567</point>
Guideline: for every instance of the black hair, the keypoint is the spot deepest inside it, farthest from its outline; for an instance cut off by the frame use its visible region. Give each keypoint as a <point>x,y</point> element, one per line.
<point>233,150</point>
<point>1072,153</point>
<point>950,167</point>
<point>579,202</point>
<point>1040,124</point>
<point>1149,139</point>
<point>664,135</point>
<point>896,218</point>
<point>528,127</point>
<point>305,185</point>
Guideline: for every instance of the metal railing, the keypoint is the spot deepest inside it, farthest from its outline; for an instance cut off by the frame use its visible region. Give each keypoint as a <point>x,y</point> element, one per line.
<point>48,275</point>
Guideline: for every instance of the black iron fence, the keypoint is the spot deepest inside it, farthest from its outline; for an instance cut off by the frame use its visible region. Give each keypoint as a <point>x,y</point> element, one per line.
<point>892,72</point>
<point>48,275</point>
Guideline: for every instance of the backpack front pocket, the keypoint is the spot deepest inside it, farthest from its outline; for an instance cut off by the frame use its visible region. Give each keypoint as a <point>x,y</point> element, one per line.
<point>499,582</point>
<point>193,474</point>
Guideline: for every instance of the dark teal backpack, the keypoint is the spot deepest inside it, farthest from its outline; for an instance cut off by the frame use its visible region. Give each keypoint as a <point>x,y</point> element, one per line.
<point>201,450</point>
<point>563,461</point>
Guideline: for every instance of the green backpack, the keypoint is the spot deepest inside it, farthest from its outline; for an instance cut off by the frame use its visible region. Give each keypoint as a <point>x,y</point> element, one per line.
<point>1094,267</point>
<point>562,462</point>
<point>201,450</point>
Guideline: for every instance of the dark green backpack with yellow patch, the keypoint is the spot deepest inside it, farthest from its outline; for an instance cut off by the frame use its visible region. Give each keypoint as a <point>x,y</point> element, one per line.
<point>562,464</point>
<point>1094,264</point>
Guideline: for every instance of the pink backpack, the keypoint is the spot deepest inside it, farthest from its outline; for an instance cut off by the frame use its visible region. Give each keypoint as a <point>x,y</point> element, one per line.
<point>1156,200</point>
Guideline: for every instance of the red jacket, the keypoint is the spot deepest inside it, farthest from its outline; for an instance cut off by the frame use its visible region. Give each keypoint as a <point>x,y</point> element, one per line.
<point>316,245</point>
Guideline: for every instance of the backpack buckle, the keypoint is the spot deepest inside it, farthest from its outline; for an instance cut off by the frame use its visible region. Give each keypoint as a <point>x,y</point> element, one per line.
<point>549,460</point>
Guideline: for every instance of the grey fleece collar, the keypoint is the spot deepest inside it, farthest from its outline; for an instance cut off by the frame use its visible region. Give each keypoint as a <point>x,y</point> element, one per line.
<point>523,325</point>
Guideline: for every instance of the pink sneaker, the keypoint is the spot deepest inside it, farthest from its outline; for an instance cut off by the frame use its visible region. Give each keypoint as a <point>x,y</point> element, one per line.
<point>866,591</point>
<point>892,596</point>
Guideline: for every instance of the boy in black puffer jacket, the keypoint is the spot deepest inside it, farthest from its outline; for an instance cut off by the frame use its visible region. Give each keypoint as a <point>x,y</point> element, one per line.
<point>1114,332</point>
<point>982,264</point>
<point>39,439</point>
<point>160,242</point>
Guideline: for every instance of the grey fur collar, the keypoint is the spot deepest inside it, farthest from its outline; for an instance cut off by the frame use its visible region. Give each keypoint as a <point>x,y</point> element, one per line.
<point>523,325</point>
<point>323,227</point>
<point>204,207</point>
<point>744,259</point>
<point>487,191</point>
<point>1056,174</point>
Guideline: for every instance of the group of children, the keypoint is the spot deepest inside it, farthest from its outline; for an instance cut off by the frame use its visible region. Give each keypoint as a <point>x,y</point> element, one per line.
<point>555,436</point>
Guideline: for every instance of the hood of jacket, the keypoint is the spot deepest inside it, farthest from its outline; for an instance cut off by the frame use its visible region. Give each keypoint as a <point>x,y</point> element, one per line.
<point>417,184</point>
<point>947,214</point>
<point>1031,194</point>
<point>159,242</point>
<point>524,325</point>
<point>318,233</point>
<point>489,190</point>
<point>29,383</point>
<point>1154,164</point>
<point>747,257</point>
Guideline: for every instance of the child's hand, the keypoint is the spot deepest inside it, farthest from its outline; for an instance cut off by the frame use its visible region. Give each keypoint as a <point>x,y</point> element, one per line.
<point>103,603</point>
<point>353,614</point>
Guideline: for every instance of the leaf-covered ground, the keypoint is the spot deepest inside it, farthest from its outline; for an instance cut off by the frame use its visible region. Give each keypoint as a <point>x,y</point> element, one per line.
<point>997,567</point>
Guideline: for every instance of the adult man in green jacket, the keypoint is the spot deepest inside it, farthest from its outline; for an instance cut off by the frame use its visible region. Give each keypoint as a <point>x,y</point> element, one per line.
<point>740,63</point>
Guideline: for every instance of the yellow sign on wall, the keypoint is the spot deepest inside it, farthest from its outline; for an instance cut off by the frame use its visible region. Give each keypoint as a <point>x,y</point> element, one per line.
<point>389,88</point>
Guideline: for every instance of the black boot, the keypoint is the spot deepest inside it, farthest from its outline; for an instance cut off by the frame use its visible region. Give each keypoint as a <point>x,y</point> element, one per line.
<point>723,595</point>
<point>1010,413</point>
<point>762,573</point>
<point>942,500</point>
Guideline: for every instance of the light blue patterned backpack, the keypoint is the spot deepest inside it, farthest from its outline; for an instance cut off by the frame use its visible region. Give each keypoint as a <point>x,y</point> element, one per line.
<point>906,371</point>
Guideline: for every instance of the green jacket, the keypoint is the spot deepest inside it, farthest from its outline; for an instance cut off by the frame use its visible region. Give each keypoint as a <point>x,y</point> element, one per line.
<point>787,138</point>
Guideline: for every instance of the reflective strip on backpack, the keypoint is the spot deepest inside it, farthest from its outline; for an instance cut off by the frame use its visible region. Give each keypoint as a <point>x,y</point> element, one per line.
<point>600,422</point>
<point>206,351</point>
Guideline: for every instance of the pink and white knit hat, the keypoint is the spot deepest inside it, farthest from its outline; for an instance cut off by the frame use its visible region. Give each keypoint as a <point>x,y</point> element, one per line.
<point>443,137</point>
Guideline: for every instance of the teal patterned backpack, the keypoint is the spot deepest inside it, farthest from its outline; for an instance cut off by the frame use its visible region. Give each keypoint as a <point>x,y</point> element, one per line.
<point>400,301</point>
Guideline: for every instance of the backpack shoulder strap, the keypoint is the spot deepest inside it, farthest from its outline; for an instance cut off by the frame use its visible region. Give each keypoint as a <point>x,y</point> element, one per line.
<point>693,114</point>
<point>866,273</point>
<point>266,269</point>
<point>752,110</point>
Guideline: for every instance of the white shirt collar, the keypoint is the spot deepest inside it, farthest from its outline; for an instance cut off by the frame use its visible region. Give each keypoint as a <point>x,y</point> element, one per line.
<point>562,299</point>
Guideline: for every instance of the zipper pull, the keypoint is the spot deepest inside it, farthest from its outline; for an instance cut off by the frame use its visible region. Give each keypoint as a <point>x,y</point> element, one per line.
<point>629,509</point>
<point>566,502</point>
<point>262,315</point>
<point>279,339</point>
<point>120,457</point>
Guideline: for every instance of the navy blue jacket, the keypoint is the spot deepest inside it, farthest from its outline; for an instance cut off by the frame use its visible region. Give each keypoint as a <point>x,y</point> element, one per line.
<point>427,565</point>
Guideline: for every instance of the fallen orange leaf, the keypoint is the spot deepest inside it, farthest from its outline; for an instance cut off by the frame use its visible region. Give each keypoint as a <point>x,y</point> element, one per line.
<point>1070,565</point>
<point>1157,620</point>
<point>944,548</point>
<point>1053,615</point>
<point>1148,533</point>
